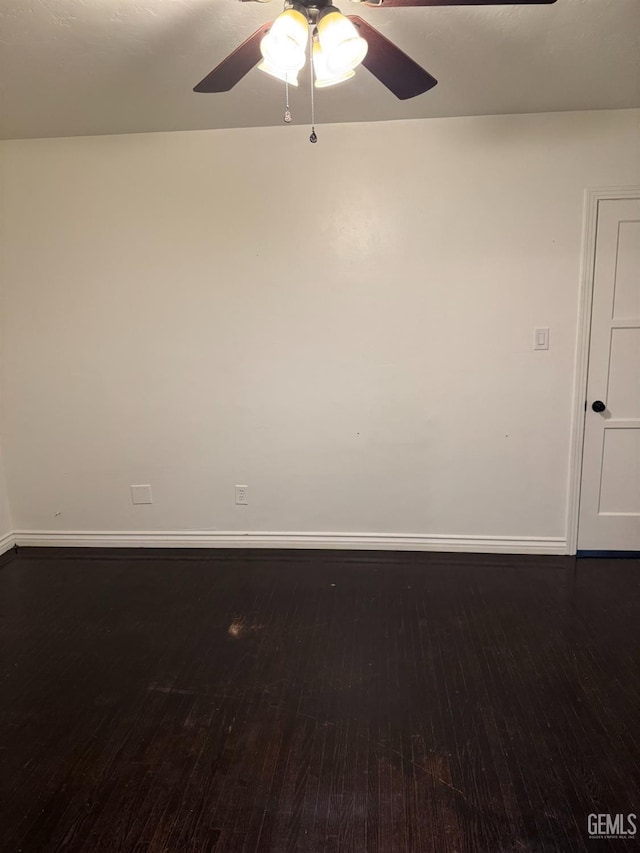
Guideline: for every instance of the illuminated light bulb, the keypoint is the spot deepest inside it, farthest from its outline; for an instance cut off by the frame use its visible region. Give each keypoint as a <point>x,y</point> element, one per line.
<point>290,77</point>
<point>325,77</point>
<point>343,47</point>
<point>284,45</point>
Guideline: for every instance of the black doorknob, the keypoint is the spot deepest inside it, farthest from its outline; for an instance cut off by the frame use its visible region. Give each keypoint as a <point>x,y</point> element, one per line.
<point>598,406</point>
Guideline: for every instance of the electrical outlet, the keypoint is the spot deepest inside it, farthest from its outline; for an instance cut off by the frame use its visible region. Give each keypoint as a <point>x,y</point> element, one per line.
<point>242,495</point>
<point>141,495</point>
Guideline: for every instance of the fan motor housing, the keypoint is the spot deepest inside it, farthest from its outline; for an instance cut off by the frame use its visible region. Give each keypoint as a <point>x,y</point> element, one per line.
<point>311,8</point>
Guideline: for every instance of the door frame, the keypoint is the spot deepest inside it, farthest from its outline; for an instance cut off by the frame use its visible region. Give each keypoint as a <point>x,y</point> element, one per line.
<point>592,199</point>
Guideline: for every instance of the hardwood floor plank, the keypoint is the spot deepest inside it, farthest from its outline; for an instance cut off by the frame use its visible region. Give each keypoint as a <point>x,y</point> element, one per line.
<point>267,702</point>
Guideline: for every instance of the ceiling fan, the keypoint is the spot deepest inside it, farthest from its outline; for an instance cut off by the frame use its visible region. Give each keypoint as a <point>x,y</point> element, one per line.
<point>339,44</point>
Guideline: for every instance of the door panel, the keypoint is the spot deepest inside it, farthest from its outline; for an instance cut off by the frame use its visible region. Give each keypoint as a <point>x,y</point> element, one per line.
<point>610,491</point>
<point>623,394</point>
<point>619,491</point>
<point>626,294</point>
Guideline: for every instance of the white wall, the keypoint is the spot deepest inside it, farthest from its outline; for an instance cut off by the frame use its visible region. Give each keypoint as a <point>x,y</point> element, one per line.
<point>347,327</point>
<point>6,525</point>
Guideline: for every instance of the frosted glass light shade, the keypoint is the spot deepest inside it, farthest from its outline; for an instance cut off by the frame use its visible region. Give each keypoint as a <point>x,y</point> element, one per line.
<point>340,41</point>
<point>290,77</point>
<point>325,77</point>
<point>284,45</point>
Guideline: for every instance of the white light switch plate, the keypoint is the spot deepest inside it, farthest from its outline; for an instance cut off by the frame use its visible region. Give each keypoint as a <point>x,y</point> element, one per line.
<point>141,495</point>
<point>541,338</point>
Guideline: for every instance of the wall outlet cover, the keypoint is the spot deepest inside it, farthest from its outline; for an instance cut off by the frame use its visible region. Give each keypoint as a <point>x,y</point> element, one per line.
<point>141,494</point>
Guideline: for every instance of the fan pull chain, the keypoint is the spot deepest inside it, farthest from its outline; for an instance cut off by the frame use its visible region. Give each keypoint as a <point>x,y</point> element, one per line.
<point>313,137</point>
<point>287,112</point>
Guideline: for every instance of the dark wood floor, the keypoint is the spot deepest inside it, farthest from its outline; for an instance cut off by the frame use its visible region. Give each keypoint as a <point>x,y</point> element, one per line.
<point>316,701</point>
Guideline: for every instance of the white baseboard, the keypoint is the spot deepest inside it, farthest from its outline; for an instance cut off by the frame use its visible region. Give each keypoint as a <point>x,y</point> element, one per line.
<point>7,542</point>
<point>237,539</point>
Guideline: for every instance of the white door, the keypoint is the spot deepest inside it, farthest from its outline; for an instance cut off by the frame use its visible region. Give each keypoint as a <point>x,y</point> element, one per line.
<point>610,492</point>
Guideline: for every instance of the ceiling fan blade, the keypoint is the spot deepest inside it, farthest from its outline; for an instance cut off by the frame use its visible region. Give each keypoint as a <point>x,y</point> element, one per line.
<point>393,68</point>
<point>391,3</point>
<point>232,69</point>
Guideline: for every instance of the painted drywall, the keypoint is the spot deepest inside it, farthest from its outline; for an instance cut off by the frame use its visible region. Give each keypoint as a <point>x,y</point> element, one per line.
<point>6,525</point>
<point>346,327</point>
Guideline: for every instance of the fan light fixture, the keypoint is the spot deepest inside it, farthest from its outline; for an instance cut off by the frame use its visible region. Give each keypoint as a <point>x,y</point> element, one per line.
<point>340,41</point>
<point>290,77</point>
<point>283,47</point>
<point>324,76</point>
<point>337,47</point>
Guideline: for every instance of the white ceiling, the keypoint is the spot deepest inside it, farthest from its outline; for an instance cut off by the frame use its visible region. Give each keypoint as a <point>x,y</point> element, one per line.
<point>75,67</point>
